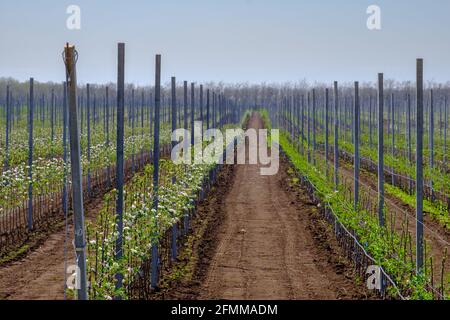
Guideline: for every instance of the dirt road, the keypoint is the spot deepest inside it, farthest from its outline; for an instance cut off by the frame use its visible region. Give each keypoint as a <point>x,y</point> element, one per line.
<point>268,247</point>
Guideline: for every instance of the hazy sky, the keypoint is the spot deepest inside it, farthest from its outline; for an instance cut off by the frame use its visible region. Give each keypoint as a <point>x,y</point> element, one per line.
<point>227,40</point>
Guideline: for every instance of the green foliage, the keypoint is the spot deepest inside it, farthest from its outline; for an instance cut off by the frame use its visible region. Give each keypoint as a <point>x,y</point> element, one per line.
<point>48,165</point>
<point>385,247</point>
<point>143,225</point>
<point>434,209</point>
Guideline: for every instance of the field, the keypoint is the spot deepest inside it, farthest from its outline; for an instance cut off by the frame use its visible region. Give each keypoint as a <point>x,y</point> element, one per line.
<point>346,191</point>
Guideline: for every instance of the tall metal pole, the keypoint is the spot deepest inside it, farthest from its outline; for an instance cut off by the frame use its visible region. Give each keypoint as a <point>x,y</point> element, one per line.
<point>381,149</point>
<point>8,119</point>
<point>220,105</point>
<point>336,136</point>
<point>107,129</point>
<point>326,129</point>
<point>201,107</point>
<point>408,117</point>
<point>370,121</point>
<point>119,156</point>
<point>207,109</point>
<point>289,114</point>
<point>81,107</point>
<point>445,130</point>
<point>431,141</point>
<point>30,155</point>
<point>308,116</point>
<point>393,135</point>
<point>94,111</point>
<point>151,114</point>
<point>132,115</point>
<point>88,123</point>
<point>185,120</point>
<point>192,114</point>
<point>419,168</point>
<point>42,111</point>
<point>299,120</point>
<point>314,125</point>
<point>440,121</point>
<point>214,113</point>
<point>155,258</point>
<point>52,115</point>
<point>302,115</point>
<point>174,127</point>
<point>356,141</point>
<point>142,125</point>
<point>75,158</point>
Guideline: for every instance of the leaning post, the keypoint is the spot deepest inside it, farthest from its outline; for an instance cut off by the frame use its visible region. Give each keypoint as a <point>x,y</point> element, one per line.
<point>70,56</point>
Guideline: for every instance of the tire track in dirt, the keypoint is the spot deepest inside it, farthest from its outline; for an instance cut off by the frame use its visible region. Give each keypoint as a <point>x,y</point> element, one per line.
<point>267,246</point>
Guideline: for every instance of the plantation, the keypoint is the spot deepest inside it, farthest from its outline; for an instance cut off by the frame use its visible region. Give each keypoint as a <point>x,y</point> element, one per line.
<point>131,176</point>
<point>311,133</point>
<point>311,145</point>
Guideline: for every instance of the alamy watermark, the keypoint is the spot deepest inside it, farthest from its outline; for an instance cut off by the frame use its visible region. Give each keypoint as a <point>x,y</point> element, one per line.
<point>73,280</point>
<point>374,19</point>
<point>208,147</point>
<point>374,279</point>
<point>73,22</point>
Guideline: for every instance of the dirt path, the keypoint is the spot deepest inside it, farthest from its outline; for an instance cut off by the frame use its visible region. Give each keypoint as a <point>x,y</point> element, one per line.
<point>40,275</point>
<point>266,248</point>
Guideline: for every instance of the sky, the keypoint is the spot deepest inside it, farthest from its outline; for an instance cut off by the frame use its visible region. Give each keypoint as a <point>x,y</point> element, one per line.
<point>227,40</point>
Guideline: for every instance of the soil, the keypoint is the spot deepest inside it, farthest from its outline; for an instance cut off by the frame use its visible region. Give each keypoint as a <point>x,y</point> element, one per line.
<point>268,241</point>
<point>184,279</point>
